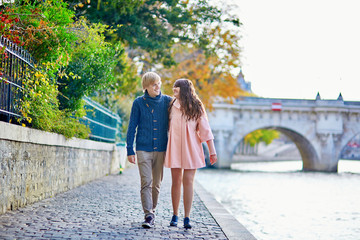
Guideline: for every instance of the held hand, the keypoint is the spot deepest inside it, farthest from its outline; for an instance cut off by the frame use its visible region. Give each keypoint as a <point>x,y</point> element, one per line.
<point>213,159</point>
<point>131,159</point>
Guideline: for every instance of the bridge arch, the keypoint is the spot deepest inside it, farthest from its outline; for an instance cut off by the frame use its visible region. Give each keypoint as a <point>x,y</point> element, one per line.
<point>319,128</point>
<point>346,139</point>
<point>306,149</point>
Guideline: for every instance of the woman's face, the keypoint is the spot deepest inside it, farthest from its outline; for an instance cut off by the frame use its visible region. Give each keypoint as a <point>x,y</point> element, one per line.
<point>176,91</point>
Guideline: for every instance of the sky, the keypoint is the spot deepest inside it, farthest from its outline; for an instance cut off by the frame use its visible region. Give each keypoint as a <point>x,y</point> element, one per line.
<point>297,48</point>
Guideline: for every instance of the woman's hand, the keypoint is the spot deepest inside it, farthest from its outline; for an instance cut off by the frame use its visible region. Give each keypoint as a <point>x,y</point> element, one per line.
<point>213,156</point>
<point>213,159</point>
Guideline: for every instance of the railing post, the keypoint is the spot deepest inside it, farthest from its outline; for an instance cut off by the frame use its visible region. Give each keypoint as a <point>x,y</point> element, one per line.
<point>13,69</point>
<point>8,103</point>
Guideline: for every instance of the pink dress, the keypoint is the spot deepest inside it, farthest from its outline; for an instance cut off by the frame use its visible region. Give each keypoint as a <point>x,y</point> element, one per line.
<point>184,148</point>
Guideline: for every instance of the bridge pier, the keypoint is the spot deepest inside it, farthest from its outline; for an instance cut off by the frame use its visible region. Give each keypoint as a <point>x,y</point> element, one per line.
<point>329,151</point>
<point>224,156</point>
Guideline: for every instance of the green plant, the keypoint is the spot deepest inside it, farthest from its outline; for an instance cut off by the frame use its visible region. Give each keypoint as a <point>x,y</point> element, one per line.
<point>92,65</point>
<point>261,135</point>
<point>40,107</point>
<point>72,57</point>
<point>42,27</point>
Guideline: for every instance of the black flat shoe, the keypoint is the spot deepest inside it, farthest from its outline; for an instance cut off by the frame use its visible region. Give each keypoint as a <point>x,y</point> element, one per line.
<point>187,223</point>
<point>174,221</point>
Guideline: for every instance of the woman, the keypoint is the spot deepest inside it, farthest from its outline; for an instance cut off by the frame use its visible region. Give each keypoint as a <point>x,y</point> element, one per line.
<point>188,128</point>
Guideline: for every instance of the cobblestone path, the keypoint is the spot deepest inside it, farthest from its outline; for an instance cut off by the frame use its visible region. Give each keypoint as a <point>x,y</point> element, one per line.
<point>107,208</point>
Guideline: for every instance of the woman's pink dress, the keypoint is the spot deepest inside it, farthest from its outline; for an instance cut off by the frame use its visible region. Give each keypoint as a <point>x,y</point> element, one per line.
<point>184,149</point>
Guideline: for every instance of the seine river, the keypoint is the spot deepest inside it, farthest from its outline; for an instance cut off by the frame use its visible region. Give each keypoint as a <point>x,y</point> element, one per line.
<point>276,201</point>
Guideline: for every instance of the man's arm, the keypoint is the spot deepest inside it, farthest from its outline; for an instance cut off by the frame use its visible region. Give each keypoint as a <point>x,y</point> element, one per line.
<point>130,136</point>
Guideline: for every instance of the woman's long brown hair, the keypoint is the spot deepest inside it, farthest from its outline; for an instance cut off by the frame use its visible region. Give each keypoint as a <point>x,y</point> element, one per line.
<point>191,105</point>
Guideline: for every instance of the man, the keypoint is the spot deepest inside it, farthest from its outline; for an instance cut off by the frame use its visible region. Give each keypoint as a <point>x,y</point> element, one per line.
<point>149,116</point>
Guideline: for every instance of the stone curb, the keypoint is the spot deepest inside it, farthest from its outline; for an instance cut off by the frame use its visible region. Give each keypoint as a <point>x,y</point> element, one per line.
<point>231,227</point>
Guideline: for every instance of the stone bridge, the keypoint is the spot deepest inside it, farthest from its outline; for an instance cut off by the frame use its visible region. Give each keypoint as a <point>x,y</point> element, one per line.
<point>319,128</point>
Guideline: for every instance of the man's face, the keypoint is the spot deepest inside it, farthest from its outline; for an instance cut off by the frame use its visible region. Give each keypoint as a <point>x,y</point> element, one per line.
<point>154,88</point>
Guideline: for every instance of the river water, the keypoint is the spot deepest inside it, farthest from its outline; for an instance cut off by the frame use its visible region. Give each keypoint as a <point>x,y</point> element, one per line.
<point>277,201</point>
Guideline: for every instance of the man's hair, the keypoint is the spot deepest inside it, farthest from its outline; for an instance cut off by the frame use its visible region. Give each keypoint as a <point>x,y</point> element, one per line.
<point>149,78</point>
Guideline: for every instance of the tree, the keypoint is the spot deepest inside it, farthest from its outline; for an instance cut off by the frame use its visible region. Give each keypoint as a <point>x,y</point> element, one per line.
<point>92,64</point>
<point>154,26</point>
<point>261,135</point>
<point>209,69</point>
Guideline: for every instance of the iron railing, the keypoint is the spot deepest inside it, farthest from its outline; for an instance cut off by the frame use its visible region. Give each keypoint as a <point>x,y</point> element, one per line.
<point>104,124</point>
<point>14,63</point>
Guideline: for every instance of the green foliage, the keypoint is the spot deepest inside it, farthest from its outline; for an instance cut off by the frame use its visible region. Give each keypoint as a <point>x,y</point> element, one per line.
<point>92,65</point>
<point>155,26</point>
<point>261,135</point>
<point>44,28</point>
<point>40,107</point>
<point>74,58</point>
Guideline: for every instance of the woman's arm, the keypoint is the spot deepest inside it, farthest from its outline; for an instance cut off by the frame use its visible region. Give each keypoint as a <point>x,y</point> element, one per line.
<point>213,156</point>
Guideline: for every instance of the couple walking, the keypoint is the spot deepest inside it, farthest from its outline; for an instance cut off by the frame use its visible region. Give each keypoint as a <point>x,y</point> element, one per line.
<point>169,132</point>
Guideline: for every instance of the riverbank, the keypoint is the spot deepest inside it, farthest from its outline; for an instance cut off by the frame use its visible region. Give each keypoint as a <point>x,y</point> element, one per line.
<point>110,208</point>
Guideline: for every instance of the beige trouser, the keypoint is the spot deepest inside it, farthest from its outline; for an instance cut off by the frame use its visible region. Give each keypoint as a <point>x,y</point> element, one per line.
<point>151,165</point>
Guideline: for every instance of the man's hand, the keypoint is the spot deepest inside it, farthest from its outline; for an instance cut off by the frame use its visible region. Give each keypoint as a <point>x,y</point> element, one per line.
<point>131,159</point>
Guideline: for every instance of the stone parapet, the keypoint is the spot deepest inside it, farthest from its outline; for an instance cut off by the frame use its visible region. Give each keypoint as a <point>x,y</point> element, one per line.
<point>35,165</point>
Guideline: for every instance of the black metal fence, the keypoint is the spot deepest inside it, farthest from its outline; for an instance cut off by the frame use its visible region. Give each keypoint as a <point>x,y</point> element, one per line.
<point>14,62</point>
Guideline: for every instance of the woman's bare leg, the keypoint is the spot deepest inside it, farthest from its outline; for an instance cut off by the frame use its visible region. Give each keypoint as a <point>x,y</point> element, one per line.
<point>176,175</point>
<point>188,184</point>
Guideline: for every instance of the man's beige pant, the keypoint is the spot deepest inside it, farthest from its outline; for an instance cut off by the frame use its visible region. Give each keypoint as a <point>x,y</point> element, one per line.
<point>151,165</point>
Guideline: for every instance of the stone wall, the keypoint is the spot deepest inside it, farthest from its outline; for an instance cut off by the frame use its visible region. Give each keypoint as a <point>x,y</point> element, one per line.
<point>35,165</point>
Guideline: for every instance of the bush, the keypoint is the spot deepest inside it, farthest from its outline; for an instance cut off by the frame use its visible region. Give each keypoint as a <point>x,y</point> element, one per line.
<point>42,27</point>
<point>91,67</point>
<point>40,107</point>
<point>73,60</point>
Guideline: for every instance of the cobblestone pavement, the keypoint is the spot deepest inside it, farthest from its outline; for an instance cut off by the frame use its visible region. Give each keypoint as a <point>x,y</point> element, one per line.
<point>107,208</point>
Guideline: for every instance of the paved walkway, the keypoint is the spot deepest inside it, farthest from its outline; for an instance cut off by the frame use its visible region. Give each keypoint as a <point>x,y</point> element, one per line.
<point>108,208</point>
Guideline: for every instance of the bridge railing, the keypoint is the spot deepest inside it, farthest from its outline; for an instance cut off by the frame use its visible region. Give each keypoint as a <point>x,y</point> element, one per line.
<point>295,102</point>
<point>14,62</point>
